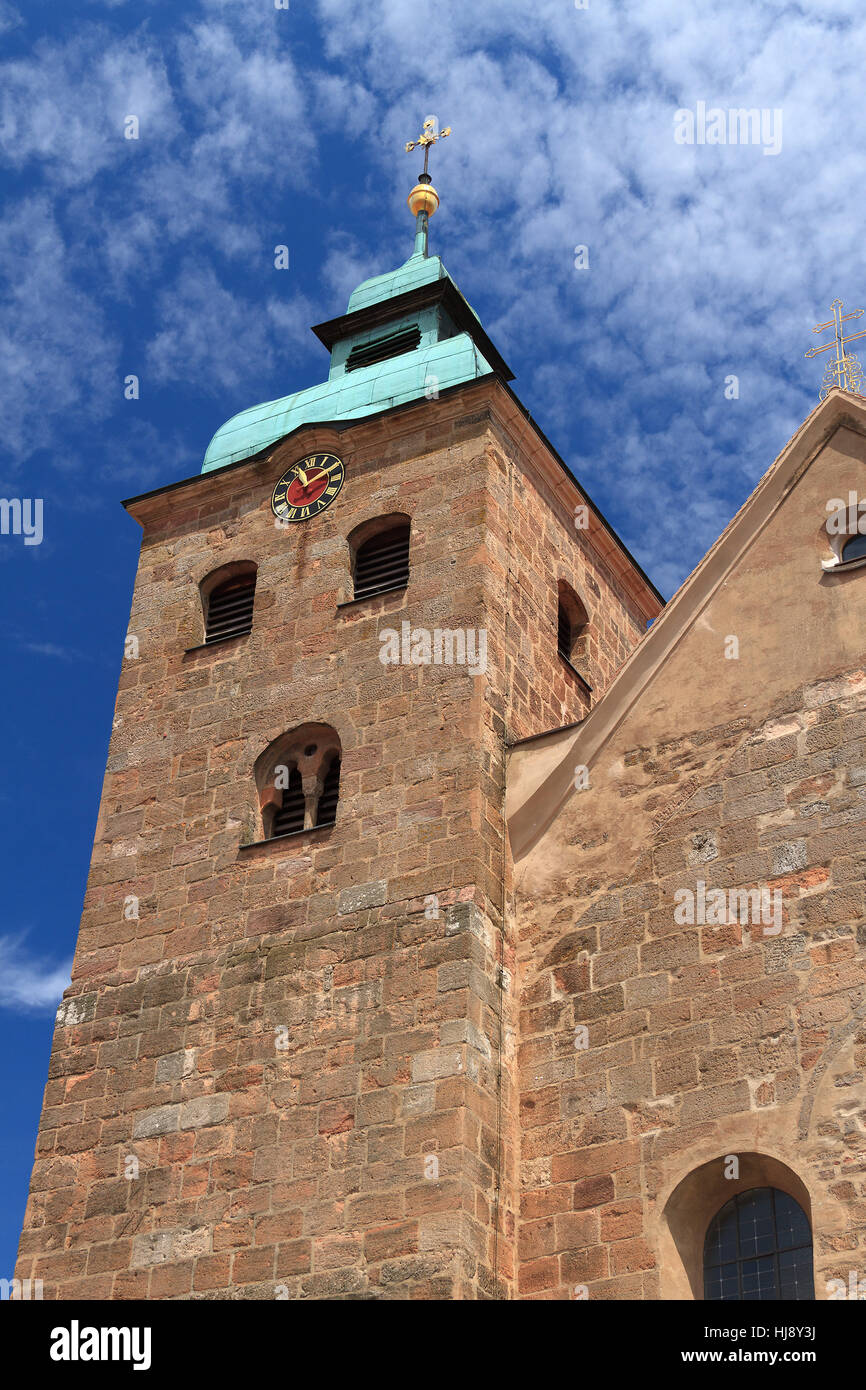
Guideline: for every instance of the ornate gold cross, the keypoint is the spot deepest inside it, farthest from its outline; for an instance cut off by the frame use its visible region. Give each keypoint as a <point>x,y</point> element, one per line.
<point>429,135</point>
<point>845,370</point>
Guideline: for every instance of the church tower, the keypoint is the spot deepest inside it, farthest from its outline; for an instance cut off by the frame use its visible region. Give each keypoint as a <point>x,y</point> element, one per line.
<point>285,1066</point>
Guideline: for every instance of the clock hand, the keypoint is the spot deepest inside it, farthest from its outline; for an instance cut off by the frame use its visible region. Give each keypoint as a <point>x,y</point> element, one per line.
<point>302,475</point>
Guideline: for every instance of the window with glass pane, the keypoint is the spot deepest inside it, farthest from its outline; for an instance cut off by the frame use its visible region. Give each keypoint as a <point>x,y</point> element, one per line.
<point>854,549</point>
<point>759,1248</point>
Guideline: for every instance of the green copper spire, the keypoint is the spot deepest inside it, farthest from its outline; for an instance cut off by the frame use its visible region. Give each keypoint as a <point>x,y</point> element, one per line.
<point>407,335</point>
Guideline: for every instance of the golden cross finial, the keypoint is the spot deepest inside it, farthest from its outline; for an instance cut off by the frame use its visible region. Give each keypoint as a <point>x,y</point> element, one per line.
<point>429,135</point>
<point>845,370</point>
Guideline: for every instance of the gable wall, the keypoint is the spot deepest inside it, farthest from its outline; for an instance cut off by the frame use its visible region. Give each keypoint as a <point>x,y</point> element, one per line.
<point>706,1040</point>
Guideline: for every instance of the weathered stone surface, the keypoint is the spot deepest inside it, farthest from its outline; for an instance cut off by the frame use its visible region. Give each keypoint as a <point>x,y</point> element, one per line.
<point>366,895</point>
<point>175,1066</point>
<point>151,1248</point>
<point>204,1111</point>
<point>733,1041</point>
<point>328,1065</point>
<point>79,1008</point>
<point>295,1057</point>
<point>153,1122</point>
<point>442,1061</point>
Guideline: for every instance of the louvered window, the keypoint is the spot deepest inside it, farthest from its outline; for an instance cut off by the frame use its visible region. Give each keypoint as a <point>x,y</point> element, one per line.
<point>290,816</point>
<point>382,562</point>
<point>327,809</point>
<point>230,608</point>
<point>390,345</point>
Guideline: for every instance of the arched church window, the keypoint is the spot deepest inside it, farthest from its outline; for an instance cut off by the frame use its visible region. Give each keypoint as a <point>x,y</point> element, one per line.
<point>380,556</point>
<point>844,531</point>
<point>298,781</point>
<point>854,549</point>
<point>759,1248</point>
<point>227,596</point>
<point>572,631</point>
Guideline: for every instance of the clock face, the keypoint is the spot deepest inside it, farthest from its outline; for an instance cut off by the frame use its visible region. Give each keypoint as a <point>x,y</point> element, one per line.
<point>308,487</point>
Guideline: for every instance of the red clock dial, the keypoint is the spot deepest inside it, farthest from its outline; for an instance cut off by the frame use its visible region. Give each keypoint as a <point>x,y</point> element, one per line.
<point>308,487</point>
<point>301,494</point>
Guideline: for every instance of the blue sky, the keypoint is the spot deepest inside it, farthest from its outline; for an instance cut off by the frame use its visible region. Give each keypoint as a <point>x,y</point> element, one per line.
<point>260,127</point>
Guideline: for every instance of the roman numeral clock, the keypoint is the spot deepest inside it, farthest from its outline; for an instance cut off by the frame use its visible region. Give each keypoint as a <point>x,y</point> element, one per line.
<point>308,487</point>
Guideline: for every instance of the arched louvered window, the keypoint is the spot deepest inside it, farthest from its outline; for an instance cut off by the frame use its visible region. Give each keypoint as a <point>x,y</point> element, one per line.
<point>759,1248</point>
<point>229,608</point>
<point>289,817</point>
<point>298,781</point>
<point>326,812</point>
<point>382,562</point>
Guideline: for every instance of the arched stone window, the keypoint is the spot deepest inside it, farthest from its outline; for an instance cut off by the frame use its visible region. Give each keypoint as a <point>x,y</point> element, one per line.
<point>298,781</point>
<point>702,1230</point>
<point>844,531</point>
<point>758,1247</point>
<point>379,552</point>
<point>854,549</point>
<point>227,597</point>
<point>572,631</point>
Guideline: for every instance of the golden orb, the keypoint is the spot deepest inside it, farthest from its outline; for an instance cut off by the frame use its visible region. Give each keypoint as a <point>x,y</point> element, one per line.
<point>423,198</point>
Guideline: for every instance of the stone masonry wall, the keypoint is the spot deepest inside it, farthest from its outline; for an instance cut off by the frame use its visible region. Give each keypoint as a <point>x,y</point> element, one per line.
<point>278,1070</point>
<point>535,544</point>
<point>703,1040</point>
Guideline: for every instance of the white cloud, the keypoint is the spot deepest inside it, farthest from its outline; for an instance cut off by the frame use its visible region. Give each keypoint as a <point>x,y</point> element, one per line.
<point>347,263</point>
<point>10,18</point>
<point>51,649</point>
<point>209,335</point>
<point>704,261</point>
<point>67,104</point>
<point>142,455</point>
<point>27,983</point>
<point>57,354</point>
<point>224,124</point>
